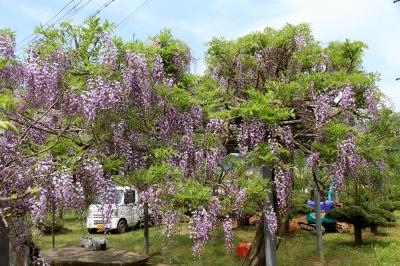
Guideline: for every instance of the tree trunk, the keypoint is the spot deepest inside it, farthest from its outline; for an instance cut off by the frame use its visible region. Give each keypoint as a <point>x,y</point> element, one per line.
<point>358,235</point>
<point>256,256</point>
<point>146,227</point>
<point>19,251</point>
<point>4,242</point>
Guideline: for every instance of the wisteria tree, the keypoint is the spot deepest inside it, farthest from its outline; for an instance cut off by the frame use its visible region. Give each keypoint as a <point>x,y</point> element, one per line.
<point>85,110</point>
<point>285,92</point>
<point>46,160</point>
<point>94,111</point>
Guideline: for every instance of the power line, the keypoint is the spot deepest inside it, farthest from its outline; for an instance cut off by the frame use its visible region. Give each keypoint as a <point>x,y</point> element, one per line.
<point>59,12</point>
<point>101,8</point>
<point>58,20</point>
<point>76,8</point>
<point>69,14</point>
<point>47,21</point>
<point>74,11</point>
<point>133,13</point>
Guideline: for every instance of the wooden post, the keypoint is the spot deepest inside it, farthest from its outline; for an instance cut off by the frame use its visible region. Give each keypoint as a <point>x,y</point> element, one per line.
<point>269,238</point>
<point>317,200</point>
<point>146,227</point>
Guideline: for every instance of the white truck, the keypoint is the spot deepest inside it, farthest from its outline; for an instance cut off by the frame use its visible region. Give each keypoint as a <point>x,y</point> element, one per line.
<point>126,212</point>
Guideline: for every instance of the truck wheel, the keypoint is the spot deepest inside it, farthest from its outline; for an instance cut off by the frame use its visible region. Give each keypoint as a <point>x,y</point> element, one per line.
<point>122,226</point>
<point>92,230</point>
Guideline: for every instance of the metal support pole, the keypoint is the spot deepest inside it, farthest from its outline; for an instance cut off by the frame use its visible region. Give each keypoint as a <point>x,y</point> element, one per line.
<point>317,199</point>
<point>269,238</point>
<point>53,223</point>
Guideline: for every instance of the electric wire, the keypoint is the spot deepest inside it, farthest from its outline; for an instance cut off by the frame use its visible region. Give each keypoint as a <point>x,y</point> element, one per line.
<point>47,23</point>
<point>74,11</point>
<point>98,11</point>
<point>69,14</point>
<point>133,13</point>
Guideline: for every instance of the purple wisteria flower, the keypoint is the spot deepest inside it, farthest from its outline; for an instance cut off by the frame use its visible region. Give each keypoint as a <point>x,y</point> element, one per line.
<point>7,45</point>
<point>287,136</point>
<point>250,135</point>
<point>202,223</point>
<point>347,100</point>
<point>283,185</point>
<point>322,108</point>
<point>228,234</point>
<point>312,160</point>
<point>271,220</point>
<point>371,102</point>
<point>215,125</point>
<point>110,53</point>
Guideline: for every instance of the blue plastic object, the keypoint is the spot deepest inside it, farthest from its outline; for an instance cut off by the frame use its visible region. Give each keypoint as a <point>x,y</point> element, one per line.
<point>326,206</point>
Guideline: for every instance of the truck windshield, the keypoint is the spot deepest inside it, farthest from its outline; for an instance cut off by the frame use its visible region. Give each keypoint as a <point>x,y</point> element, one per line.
<point>101,200</point>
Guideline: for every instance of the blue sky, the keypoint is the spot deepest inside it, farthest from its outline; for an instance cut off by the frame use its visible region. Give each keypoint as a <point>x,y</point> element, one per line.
<point>375,22</point>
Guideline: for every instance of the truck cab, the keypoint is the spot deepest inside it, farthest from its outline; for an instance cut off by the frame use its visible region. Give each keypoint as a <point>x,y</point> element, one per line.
<point>126,212</point>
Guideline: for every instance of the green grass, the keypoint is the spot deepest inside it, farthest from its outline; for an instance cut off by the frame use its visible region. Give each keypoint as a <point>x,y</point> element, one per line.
<point>178,253</point>
<point>295,248</point>
<point>382,249</point>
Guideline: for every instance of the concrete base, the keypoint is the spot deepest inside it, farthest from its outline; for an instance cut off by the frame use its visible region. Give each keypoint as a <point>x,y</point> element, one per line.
<point>74,255</point>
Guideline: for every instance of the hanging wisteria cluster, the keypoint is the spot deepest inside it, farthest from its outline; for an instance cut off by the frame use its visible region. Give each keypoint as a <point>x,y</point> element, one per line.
<point>7,44</point>
<point>323,109</point>
<point>228,234</point>
<point>371,102</point>
<point>348,161</point>
<point>43,77</point>
<point>251,133</point>
<point>312,160</point>
<point>239,201</point>
<point>11,72</point>
<point>202,223</point>
<point>110,52</point>
<point>271,220</point>
<point>283,186</point>
<point>347,100</point>
<point>151,197</point>
<point>287,137</point>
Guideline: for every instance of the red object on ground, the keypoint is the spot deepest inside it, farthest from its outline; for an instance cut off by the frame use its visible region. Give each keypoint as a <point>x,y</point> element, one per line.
<point>242,249</point>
